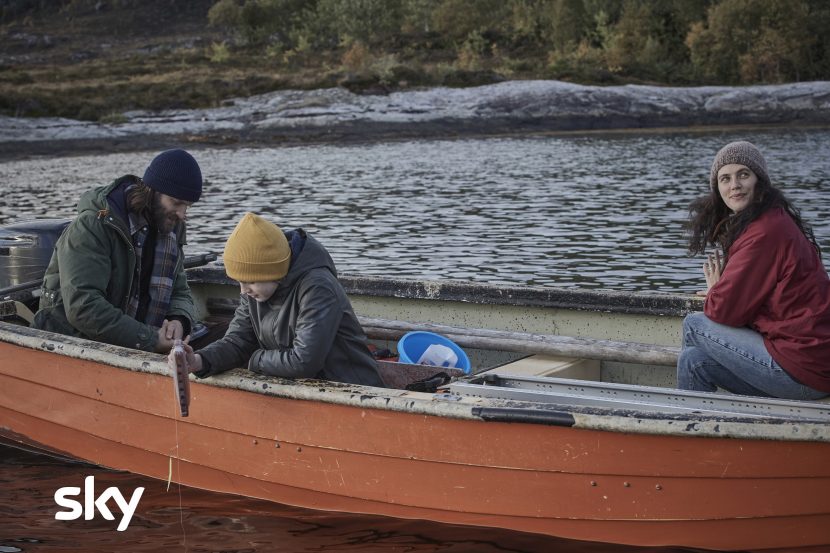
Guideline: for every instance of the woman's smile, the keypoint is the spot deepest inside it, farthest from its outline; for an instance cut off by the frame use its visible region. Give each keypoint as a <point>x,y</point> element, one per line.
<point>736,185</point>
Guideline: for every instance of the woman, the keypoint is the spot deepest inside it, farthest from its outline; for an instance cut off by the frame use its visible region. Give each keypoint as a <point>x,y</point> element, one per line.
<point>294,319</point>
<point>765,326</point>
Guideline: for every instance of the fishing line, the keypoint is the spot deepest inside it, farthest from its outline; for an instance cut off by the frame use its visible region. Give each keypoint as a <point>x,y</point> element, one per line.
<point>179,470</point>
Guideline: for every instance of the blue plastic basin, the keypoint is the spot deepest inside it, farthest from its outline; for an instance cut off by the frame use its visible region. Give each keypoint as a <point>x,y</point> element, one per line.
<point>412,346</point>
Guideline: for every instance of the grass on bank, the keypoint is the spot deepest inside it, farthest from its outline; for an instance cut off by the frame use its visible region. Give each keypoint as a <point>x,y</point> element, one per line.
<point>197,78</point>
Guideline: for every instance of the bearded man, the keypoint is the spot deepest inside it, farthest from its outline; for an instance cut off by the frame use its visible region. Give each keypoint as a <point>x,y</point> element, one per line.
<point>117,272</point>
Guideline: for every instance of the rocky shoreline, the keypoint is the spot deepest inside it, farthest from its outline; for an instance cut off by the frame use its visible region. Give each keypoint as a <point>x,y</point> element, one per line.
<point>335,114</point>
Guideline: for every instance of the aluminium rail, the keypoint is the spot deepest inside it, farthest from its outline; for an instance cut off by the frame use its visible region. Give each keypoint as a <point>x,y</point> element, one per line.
<point>562,391</point>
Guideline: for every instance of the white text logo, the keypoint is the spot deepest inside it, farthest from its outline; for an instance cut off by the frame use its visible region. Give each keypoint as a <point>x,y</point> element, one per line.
<point>91,503</point>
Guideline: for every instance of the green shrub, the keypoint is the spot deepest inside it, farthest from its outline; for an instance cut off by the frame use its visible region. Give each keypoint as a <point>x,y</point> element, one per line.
<point>218,52</point>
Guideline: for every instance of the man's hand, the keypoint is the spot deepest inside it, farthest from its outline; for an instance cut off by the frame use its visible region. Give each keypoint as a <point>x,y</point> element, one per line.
<point>175,330</point>
<point>169,332</point>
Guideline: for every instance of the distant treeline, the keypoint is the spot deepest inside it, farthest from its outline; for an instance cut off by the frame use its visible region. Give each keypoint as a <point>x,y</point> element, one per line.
<point>668,41</point>
<point>163,54</point>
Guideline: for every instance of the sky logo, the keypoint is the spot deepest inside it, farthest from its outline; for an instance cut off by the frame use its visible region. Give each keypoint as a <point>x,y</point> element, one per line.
<point>91,503</point>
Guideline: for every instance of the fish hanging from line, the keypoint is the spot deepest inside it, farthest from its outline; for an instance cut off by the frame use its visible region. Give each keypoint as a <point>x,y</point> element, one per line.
<point>181,381</point>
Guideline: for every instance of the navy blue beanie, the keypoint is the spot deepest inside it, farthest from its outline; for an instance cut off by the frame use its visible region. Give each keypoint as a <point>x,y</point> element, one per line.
<point>176,174</point>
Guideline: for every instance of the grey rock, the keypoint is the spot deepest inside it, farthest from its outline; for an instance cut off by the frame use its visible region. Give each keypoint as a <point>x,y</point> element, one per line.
<point>533,106</point>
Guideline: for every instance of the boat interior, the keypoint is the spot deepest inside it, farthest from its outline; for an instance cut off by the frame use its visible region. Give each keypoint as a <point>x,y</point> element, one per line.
<point>488,356</point>
<point>513,366</point>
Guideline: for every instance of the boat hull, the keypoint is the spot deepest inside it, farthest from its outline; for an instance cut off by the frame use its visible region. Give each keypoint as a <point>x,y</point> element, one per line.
<point>354,456</point>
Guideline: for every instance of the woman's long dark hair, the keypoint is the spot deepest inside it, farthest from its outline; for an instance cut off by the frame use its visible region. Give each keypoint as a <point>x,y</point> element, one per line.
<point>711,223</point>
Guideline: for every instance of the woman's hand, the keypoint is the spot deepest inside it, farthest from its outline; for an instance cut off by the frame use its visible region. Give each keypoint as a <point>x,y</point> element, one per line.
<point>712,269</point>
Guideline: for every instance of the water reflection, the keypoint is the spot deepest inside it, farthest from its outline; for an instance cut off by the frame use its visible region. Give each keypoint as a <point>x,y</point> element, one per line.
<point>587,211</point>
<point>190,520</point>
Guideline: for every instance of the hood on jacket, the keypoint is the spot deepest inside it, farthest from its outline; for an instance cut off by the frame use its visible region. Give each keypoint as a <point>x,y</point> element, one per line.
<point>111,198</point>
<point>306,254</point>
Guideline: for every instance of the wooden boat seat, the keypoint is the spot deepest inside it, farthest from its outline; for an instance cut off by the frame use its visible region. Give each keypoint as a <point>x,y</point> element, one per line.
<point>550,365</point>
<point>522,342</point>
<point>481,338</point>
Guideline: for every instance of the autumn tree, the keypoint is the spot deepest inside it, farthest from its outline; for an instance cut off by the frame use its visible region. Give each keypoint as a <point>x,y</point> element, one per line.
<point>746,41</point>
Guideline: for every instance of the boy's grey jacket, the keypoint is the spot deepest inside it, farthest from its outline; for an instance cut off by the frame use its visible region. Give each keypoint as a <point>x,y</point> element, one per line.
<point>307,329</point>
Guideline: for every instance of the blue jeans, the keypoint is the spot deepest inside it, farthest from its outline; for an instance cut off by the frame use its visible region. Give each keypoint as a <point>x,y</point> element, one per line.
<point>734,359</point>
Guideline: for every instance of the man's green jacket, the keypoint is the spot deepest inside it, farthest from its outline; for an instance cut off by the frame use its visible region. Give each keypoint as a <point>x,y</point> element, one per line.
<point>86,288</point>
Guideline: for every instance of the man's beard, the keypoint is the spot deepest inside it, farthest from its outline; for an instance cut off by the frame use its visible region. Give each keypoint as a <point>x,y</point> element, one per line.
<point>165,222</point>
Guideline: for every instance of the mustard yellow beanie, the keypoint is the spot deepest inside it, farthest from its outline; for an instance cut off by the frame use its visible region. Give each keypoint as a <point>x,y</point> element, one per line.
<point>256,251</point>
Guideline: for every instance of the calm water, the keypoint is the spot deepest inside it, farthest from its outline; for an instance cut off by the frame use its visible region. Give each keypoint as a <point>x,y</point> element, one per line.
<point>190,520</point>
<point>588,211</point>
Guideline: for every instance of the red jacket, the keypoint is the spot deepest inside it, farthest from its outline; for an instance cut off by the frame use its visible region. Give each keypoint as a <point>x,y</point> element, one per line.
<point>775,283</point>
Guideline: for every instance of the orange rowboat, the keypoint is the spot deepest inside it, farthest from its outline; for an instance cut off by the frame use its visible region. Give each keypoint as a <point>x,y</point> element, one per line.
<point>580,454</point>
